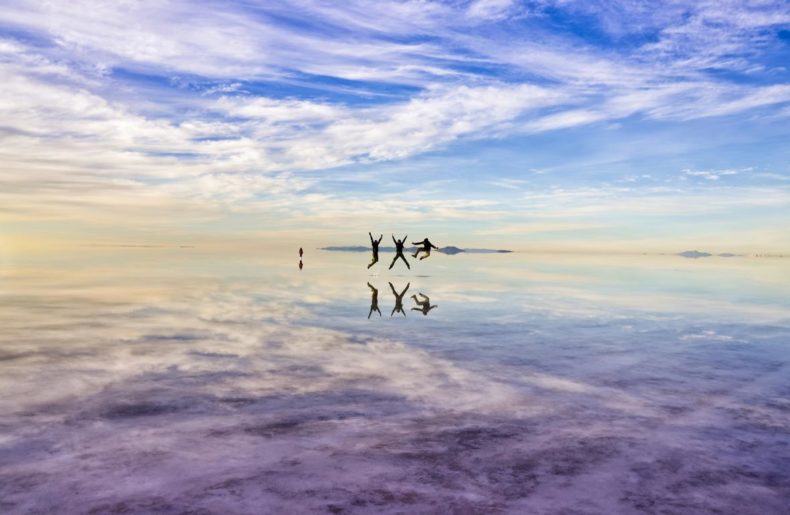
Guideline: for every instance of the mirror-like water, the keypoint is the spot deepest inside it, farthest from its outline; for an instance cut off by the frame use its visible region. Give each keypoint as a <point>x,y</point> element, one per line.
<point>155,380</point>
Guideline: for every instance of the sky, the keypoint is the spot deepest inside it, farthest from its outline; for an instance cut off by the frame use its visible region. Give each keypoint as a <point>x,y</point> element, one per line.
<point>538,125</point>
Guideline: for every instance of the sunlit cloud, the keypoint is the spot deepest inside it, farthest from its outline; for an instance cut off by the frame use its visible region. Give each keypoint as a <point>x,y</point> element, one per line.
<point>181,113</point>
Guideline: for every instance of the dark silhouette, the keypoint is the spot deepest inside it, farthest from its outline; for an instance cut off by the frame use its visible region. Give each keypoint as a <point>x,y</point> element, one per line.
<point>424,305</point>
<point>375,245</point>
<point>399,299</point>
<point>301,252</point>
<point>426,247</point>
<point>399,251</point>
<point>374,300</point>
<point>300,264</point>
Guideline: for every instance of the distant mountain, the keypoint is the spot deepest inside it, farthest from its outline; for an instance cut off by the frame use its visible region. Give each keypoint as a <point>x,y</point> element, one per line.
<point>694,254</point>
<point>449,250</point>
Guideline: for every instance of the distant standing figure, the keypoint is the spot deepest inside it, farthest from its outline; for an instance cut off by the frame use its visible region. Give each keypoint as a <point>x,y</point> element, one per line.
<point>399,299</point>
<point>375,245</point>
<point>301,252</point>
<point>426,247</point>
<point>399,251</point>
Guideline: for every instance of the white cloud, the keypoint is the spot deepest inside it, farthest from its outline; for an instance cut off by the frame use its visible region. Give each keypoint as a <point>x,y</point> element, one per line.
<point>489,9</point>
<point>207,122</point>
<point>710,175</point>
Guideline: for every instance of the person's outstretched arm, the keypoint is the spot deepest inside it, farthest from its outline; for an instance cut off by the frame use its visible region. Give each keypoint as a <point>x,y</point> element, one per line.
<point>434,246</point>
<point>380,236</point>
<point>371,237</point>
<point>394,240</point>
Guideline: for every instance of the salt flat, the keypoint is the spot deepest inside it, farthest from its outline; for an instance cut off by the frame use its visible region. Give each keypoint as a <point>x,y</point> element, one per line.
<point>173,381</point>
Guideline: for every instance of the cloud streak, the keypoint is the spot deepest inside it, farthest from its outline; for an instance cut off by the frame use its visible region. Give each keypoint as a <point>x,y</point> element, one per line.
<point>229,105</point>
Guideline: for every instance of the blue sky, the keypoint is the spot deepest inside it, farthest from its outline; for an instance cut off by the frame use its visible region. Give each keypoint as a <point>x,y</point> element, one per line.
<point>548,124</point>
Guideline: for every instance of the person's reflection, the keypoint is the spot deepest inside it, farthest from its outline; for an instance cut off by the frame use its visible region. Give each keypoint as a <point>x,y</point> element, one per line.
<point>424,305</point>
<point>426,247</point>
<point>375,246</point>
<point>399,299</point>
<point>399,251</point>
<point>374,300</point>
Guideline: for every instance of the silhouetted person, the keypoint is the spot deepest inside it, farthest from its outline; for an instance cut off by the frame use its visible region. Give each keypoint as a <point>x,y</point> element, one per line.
<point>399,299</point>
<point>426,247</point>
<point>374,300</point>
<point>424,306</point>
<point>301,252</point>
<point>399,252</point>
<point>375,245</point>
<point>300,264</point>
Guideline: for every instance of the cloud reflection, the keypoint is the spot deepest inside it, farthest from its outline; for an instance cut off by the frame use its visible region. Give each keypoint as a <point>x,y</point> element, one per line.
<point>216,387</point>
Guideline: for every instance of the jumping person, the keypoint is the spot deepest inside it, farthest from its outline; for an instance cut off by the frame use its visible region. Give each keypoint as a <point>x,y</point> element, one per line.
<point>399,251</point>
<point>374,300</point>
<point>426,247</point>
<point>375,245</point>
<point>424,305</point>
<point>399,299</point>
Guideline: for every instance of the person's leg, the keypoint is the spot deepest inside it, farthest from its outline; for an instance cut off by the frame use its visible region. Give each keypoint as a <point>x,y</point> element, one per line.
<point>393,261</point>
<point>404,260</point>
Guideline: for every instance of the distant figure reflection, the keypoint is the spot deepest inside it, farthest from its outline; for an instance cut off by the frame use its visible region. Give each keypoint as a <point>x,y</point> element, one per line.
<point>374,300</point>
<point>426,247</point>
<point>375,245</point>
<point>423,305</point>
<point>399,251</point>
<point>399,299</point>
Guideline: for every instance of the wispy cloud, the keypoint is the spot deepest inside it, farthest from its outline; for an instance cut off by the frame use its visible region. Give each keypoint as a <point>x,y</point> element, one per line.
<point>236,107</point>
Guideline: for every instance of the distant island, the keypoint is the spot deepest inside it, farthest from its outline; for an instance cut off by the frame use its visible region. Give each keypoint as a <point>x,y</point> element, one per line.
<point>695,254</point>
<point>450,250</point>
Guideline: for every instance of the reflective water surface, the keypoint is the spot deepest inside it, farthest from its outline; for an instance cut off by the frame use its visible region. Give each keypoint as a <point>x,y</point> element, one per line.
<point>174,381</point>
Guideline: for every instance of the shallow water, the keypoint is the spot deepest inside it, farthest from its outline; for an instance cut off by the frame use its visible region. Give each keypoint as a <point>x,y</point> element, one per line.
<point>172,381</point>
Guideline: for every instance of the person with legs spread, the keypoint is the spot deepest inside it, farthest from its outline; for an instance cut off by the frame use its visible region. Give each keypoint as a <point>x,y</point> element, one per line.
<point>399,251</point>
<point>424,305</point>
<point>375,245</point>
<point>399,299</point>
<point>426,247</point>
<point>374,300</point>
